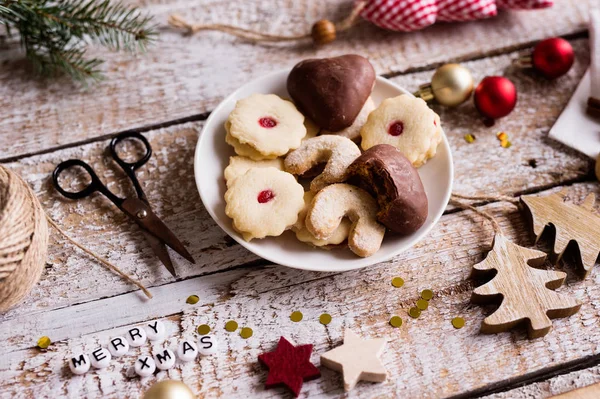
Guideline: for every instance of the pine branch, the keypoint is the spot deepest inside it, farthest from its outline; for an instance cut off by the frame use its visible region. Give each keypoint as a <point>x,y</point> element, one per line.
<point>54,33</point>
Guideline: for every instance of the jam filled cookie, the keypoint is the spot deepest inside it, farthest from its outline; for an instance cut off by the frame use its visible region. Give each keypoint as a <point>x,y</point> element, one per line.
<point>302,234</point>
<point>244,150</point>
<point>353,131</point>
<point>408,124</point>
<point>403,205</point>
<point>240,165</point>
<point>269,124</point>
<point>338,152</point>
<point>264,202</point>
<point>337,201</point>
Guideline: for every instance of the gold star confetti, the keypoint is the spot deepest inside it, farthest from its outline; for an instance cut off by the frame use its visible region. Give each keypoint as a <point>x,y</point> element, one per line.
<point>44,342</point>
<point>231,326</point>
<point>427,294</point>
<point>397,282</point>
<point>505,144</point>
<point>246,332</point>
<point>502,136</point>
<point>396,321</point>
<point>414,312</point>
<point>325,319</point>
<point>422,304</point>
<point>192,299</point>
<point>458,322</point>
<point>204,329</point>
<point>469,138</point>
<point>296,316</point>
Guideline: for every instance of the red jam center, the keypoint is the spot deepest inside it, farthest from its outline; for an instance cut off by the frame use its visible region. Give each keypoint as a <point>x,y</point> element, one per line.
<point>265,196</point>
<point>396,128</point>
<point>267,122</point>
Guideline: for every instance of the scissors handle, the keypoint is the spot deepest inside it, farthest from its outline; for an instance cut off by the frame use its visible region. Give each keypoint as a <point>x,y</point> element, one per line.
<point>130,167</point>
<point>94,185</point>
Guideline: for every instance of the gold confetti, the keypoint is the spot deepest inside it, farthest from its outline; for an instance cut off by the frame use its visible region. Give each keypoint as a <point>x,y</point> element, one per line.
<point>397,282</point>
<point>502,136</point>
<point>414,312</point>
<point>505,143</point>
<point>192,299</point>
<point>469,138</point>
<point>325,318</point>
<point>422,304</point>
<point>44,342</point>
<point>204,329</point>
<point>458,322</point>
<point>296,316</point>
<point>396,321</point>
<point>246,332</point>
<point>427,294</point>
<point>231,326</point>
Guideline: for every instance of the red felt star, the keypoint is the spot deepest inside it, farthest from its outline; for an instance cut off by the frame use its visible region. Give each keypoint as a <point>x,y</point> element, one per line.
<point>289,365</point>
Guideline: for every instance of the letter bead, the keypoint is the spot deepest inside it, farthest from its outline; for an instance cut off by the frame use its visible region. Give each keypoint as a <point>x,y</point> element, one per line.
<point>100,358</point>
<point>136,336</point>
<point>164,359</point>
<point>155,330</point>
<point>118,346</point>
<point>207,345</point>
<point>187,351</point>
<point>144,366</point>
<point>79,364</point>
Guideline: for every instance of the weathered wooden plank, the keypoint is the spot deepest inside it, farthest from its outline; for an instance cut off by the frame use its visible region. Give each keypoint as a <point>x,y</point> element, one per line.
<point>482,168</point>
<point>426,357</point>
<point>183,76</point>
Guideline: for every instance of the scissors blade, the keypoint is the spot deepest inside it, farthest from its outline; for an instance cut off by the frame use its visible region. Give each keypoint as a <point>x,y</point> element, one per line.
<point>142,214</point>
<point>160,250</point>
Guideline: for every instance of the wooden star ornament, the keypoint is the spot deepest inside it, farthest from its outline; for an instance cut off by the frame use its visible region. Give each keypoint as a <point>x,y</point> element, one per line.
<point>357,359</point>
<point>289,365</point>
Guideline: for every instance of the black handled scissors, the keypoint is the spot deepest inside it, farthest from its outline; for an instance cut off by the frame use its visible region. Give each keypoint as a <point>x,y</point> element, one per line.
<point>138,209</point>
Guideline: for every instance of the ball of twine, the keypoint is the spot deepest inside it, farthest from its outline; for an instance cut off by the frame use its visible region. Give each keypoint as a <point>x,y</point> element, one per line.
<point>23,239</point>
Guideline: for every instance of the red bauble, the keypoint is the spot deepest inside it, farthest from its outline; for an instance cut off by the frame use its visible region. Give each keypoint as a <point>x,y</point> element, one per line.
<point>495,97</point>
<point>553,57</point>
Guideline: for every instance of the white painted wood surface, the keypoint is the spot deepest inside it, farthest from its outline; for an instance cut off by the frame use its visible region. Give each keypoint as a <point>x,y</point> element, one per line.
<point>79,304</point>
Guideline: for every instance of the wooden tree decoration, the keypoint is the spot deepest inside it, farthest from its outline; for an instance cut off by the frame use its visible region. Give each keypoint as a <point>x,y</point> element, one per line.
<point>526,292</point>
<point>572,223</point>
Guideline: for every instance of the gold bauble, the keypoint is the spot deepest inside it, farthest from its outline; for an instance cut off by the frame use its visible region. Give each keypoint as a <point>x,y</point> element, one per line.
<point>169,389</point>
<point>451,85</point>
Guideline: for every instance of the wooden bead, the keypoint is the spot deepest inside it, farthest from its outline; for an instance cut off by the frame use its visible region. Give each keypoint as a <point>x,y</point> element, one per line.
<point>323,32</point>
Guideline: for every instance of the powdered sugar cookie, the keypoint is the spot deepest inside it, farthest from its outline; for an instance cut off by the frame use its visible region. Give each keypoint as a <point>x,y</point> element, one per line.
<point>264,202</point>
<point>353,131</point>
<point>302,234</point>
<point>338,152</point>
<point>408,124</point>
<point>268,123</point>
<point>337,201</point>
<point>244,150</point>
<point>240,165</point>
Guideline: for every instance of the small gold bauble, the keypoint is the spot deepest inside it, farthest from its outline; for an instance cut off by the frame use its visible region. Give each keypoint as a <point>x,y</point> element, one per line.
<point>169,389</point>
<point>323,32</point>
<point>452,85</point>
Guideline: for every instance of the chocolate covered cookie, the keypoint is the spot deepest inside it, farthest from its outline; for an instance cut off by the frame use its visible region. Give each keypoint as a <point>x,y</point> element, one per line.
<point>332,91</point>
<point>384,171</point>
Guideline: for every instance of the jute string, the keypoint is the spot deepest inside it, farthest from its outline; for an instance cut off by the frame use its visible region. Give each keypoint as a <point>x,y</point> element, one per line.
<point>24,241</point>
<point>455,199</point>
<point>179,22</point>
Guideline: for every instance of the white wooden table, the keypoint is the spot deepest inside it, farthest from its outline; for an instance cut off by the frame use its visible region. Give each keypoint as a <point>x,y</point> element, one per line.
<point>168,93</point>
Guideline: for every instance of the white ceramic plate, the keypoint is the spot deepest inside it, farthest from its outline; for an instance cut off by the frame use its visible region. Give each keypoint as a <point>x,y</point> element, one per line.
<point>212,156</point>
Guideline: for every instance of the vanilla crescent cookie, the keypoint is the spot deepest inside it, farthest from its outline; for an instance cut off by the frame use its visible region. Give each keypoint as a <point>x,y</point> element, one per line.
<point>264,202</point>
<point>353,131</point>
<point>302,234</point>
<point>337,201</point>
<point>240,165</point>
<point>408,124</point>
<point>338,152</point>
<point>244,150</point>
<point>267,123</point>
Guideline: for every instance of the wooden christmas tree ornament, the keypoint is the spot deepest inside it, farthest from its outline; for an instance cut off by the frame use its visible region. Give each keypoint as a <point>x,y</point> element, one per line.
<point>357,359</point>
<point>525,291</point>
<point>572,222</point>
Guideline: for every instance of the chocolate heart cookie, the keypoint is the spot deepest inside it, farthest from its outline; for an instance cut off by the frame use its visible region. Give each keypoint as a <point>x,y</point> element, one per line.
<point>332,91</point>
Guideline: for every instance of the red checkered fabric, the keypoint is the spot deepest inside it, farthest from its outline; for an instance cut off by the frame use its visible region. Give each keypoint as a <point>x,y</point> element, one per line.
<point>409,15</point>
